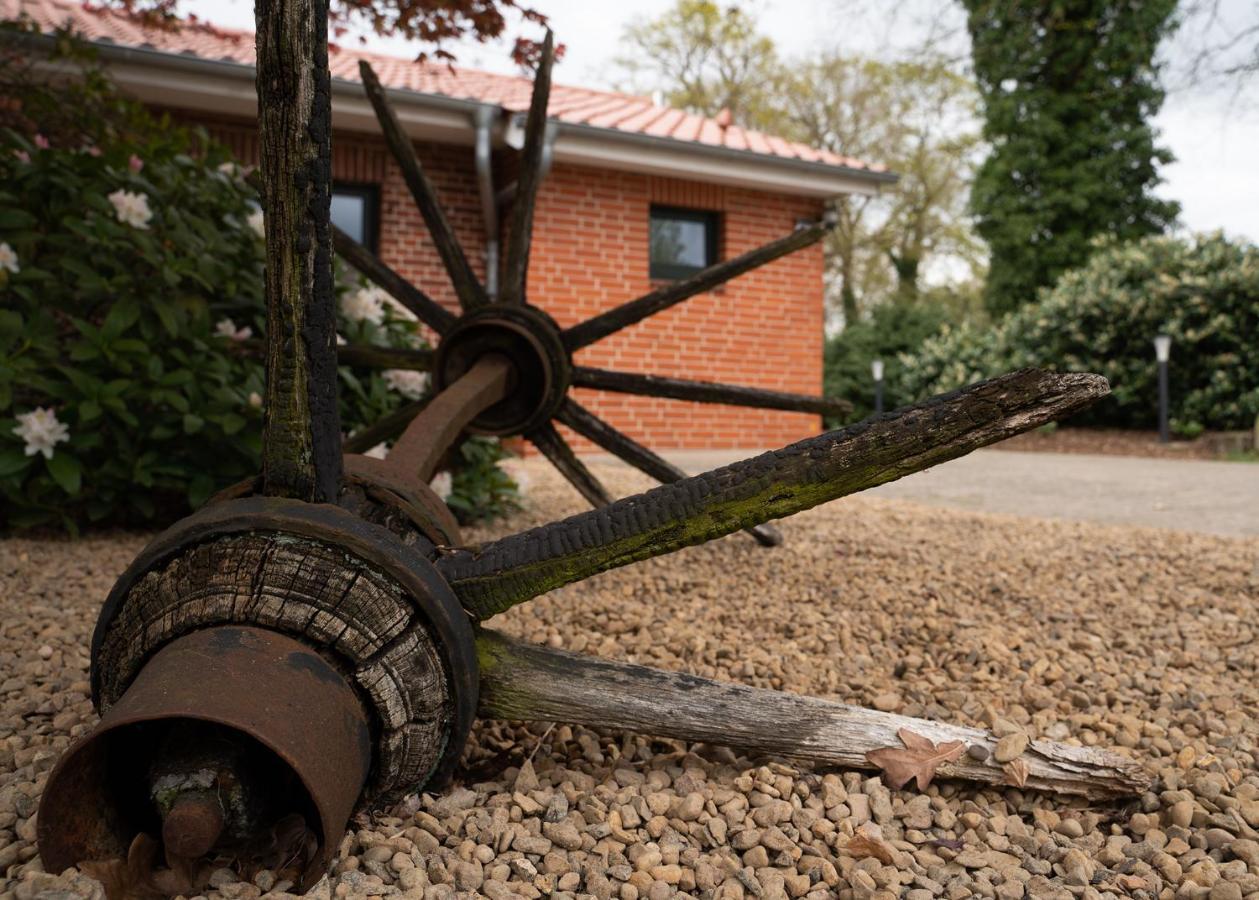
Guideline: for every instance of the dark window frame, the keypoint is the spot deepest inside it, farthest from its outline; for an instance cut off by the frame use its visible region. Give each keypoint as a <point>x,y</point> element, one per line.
<point>709,218</point>
<point>370,194</point>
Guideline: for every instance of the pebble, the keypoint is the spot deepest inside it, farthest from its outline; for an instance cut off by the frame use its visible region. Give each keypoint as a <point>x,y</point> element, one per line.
<point>1012,641</point>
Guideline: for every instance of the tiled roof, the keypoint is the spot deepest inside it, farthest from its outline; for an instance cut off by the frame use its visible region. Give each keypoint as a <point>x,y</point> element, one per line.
<point>583,106</point>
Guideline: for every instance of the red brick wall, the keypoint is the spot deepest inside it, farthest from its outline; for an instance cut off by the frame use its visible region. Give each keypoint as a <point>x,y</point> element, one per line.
<point>590,253</point>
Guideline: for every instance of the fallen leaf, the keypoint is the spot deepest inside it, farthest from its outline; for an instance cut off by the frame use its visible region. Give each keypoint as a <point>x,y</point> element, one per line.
<point>917,761</point>
<point>861,846</point>
<point>129,879</point>
<point>1015,772</point>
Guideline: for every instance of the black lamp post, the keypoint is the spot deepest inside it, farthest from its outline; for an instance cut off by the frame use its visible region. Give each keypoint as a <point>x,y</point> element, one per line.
<point>1163,352</point>
<point>876,369</point>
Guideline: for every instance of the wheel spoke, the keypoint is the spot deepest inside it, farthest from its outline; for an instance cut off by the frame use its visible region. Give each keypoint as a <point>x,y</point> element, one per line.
<point>561,455</point>
<point>420,449</point>
<point>377,357</point>
<point>469,290</point>
<point>426,309</point>
<point>671,294</point>
<point>706,392</point>
<point>621,445</point>
<point>530,177</point>
<point>770,486</point>
<point>384,429</point>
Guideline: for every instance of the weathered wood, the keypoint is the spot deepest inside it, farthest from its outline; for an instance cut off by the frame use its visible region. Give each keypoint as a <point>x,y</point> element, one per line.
<point>770,486</point>
<point>434,431</point>
<point>376,357</point>
<point>524,681</point>
<point>301,439</point>
<point>468,289</point>
<point>662,298</point>
<point>426,309</point>
<point>384,429</point>
<point>706,392</point>
<point>561,455</point>
<point>521,233</point>
<point>591,427</point>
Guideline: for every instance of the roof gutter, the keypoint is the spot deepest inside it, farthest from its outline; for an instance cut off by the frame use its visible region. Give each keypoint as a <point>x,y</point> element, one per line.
<point>227,87</point>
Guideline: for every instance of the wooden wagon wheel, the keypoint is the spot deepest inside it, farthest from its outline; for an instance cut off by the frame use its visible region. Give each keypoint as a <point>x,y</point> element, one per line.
<point>314,642</point>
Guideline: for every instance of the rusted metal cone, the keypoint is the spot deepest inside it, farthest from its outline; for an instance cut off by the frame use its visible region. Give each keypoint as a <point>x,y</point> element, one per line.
<point>277,733</point>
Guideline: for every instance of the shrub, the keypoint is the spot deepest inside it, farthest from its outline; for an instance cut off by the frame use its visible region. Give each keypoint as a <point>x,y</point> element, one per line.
<point>130,284</point>
<point>1203,292</point>
<point>892,330</point>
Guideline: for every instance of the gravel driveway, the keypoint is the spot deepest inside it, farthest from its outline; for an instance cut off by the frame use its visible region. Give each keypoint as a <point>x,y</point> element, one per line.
<point>1139,640</point>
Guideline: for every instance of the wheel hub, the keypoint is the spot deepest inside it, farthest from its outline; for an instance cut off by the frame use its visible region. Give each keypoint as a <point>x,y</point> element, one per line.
<point>530,339</point>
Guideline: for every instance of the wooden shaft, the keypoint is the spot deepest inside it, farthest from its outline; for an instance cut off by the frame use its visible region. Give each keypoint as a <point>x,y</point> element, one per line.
<point>384,429</point>
<point>530,177</point>
<point>770,486</point>
<point>469,290</point>
<point>425,308</point>
<point>529,682</point>
<point>561,455</point>
<point>301,440</point>
<point>373,356</point>
<point>661,299</point>
<point>705,392</point>
<point>420,449</point>
<point>591,427</point>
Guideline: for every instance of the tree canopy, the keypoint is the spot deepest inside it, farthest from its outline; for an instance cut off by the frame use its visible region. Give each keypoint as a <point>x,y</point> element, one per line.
<point>1068,89</point>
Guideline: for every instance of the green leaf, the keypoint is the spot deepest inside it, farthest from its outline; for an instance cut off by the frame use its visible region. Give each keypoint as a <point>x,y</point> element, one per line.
<point>66,471</point>
<point>193,423</point>
<point>13,460</point>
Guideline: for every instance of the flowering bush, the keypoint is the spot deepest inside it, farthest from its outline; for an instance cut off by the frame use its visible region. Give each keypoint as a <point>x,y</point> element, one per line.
<point>1203,292</point>
<point>130,288</point>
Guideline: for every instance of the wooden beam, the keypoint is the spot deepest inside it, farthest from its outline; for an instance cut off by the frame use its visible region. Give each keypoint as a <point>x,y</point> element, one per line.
<point>671,294</point>
<point>301,439</point>
<point>706,392</point>
<point>528,682</point>
<point>425,308</point>
<point>375,356</point>
<point>561,455</point>
<point>770,486</point>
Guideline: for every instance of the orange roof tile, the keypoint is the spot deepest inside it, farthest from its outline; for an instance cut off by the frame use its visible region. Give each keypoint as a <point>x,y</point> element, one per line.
<point>576,105</point>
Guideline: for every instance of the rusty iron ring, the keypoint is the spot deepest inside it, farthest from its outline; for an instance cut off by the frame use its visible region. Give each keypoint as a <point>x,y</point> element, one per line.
<point>429,593</point>
<point>531,340</point>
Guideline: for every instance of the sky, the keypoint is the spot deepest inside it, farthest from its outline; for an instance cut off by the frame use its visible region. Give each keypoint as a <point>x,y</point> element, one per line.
<point>1212,131</point>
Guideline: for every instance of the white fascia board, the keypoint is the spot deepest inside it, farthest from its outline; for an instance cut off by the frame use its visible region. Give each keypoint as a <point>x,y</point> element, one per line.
<point>227,88</point>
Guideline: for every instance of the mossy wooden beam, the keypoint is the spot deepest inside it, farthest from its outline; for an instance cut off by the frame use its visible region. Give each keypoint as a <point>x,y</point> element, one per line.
<point>532,683</point>
<point>770,486</point>
<point>301,446</point>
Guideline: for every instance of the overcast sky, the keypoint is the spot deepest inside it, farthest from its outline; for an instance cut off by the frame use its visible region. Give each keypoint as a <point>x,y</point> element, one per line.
<point>1214,133</point>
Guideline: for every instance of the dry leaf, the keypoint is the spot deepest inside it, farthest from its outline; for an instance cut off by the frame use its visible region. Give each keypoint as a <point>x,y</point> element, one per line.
<point>1015,772</point>
<point>917,762</point>
<point>861,846</point>
<point>129,879</point>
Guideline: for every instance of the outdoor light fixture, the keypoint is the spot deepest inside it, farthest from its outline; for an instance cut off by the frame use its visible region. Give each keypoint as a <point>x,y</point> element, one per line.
<point>876,369</point>
<point>1162,353</point>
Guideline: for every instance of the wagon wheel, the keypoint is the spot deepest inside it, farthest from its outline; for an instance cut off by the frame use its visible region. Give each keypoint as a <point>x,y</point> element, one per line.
<point>539,351</point>
<point>314,642</point>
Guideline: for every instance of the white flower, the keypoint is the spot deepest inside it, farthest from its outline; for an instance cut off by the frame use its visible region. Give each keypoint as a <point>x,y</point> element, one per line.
<point>41,431</point>
<point>341,342</point>
<point>380,451</point>
<point>398,309</point>
<point>442,484</point>
<point>230,169</point>
<point>257,221</point>
<point>8,259</point>
<point>227,328</point>
<point>131,209</point>
<point>409,383</point>
<point>255,399</point>
<point>364,305</point>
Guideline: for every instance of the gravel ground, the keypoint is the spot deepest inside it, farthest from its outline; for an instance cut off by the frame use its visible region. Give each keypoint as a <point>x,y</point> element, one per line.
<point>1140,640</point>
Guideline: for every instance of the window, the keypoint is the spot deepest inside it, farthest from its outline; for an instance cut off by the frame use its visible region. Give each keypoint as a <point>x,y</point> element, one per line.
<point>683,241</point>
<point>355,210</point>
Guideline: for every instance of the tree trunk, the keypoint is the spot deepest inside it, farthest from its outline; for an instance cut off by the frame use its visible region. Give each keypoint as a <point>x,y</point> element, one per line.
<point>301,448</point>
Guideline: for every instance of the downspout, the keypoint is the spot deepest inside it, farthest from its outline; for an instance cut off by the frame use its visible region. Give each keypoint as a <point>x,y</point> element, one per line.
<point>508,193</point>
<point>483,118</point>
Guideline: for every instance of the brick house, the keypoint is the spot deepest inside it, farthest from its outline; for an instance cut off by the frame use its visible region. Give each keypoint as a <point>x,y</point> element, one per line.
<point>621,169</point>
